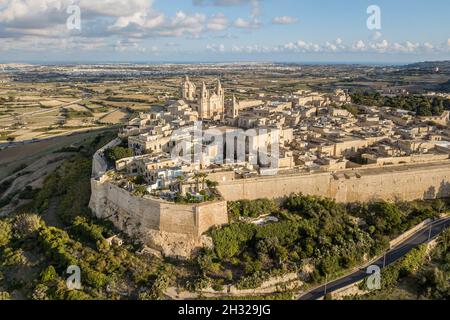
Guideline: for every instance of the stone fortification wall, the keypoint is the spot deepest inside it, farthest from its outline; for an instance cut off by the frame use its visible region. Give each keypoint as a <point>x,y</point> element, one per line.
<point>405,182</point>
<point>175,230</point>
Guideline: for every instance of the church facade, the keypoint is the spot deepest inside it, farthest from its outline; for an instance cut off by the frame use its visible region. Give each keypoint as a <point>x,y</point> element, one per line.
<point>210,104</point>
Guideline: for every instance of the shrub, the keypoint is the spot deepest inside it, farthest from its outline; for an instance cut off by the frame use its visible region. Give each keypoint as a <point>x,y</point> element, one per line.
<point>140,190</point>
<point>54,242</point>
<point>116,153</point>
<point>287,232</point>
<point>198,284</point>
<point>5,295</point>
<point>228,275</point>
<point>206,262</point>
<point>93,278</point>
<point>253,209</point>
<point>253,281</point>
<point>411,262</point>
<point>27,224</point>
<point>13,257</point>
<point>76,295</point>
<point>5,233</point>
<point>217,286</point>
<point>88,231</point>
<point>49,274</point>
<point>161,283</point>
<point>312,207</point>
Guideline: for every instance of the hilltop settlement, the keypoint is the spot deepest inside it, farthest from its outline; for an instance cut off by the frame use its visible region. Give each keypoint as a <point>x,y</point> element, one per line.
<point>168,176</point>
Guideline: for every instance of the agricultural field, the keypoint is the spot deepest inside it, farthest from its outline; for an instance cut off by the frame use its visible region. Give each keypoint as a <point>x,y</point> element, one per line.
<point>44,110</point>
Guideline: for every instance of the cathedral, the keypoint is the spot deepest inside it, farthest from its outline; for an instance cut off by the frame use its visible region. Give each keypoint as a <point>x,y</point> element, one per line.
<point>209,104</point>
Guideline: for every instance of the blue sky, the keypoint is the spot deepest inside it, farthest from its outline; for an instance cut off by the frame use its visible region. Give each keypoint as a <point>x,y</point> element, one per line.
<point>224,30</point>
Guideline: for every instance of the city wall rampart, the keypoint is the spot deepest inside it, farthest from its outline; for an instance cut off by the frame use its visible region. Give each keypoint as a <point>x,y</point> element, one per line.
<point>404,182</point>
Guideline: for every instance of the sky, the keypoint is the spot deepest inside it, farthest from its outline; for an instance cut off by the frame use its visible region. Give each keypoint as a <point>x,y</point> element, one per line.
<point>375,31</point>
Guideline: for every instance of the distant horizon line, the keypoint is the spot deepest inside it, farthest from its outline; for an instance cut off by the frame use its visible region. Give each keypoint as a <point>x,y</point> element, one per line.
<point>95,62</point>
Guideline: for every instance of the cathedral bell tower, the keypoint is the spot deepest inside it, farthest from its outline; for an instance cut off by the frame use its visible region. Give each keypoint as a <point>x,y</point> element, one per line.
<point>204,110</point>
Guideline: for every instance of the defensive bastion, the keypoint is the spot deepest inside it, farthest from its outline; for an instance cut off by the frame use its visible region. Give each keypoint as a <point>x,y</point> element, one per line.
<point>173,229</point>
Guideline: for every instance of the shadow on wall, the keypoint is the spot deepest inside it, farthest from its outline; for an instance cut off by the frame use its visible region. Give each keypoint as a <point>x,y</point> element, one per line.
<point>443,192</point>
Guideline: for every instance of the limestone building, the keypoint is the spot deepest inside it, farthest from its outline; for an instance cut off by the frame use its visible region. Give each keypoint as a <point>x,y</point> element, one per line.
<point>188,90</point>
<point>210,104</point>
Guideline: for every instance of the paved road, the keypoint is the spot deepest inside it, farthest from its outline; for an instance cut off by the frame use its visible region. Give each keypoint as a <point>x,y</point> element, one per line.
<point>422,236</point>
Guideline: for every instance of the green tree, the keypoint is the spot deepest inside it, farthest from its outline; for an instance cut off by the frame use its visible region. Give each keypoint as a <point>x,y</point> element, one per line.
<point>230,240</point>
<point>117,153</point>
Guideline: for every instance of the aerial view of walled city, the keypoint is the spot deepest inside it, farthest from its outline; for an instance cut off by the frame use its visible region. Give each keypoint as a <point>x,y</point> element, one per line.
<point>199,150</point>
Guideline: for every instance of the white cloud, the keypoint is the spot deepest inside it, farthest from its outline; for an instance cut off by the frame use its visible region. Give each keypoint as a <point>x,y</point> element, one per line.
<point>252,49</point>
<point>246,24</point>
<point>428,46</point>
<point>407,47</point>
<point>359,46</point>
<point>140,20</point>
<point>50,12</point>
<point>339,46</point>
<point>121,24</point>
<point>127,18</point>
<point>376,35</point>
<point>33,44</point>
<point>330,46</point>
<point>183,24</point>
<point>412,47</point>
<point>227,35</point>
<point>301,44</point>
<point>380,46</point>
<point>284,20</point>
<point>256,8</point>
<point>255,4</point>
<point>290,46</point>
<point>216,47</point>
<point>218,22</point>
<point>126,45</point>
